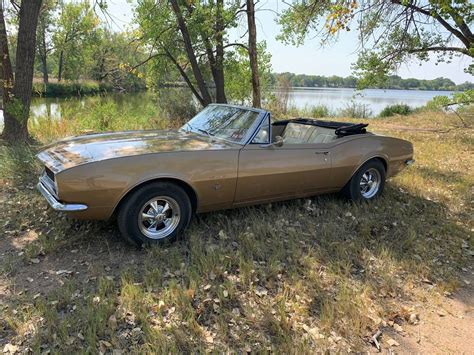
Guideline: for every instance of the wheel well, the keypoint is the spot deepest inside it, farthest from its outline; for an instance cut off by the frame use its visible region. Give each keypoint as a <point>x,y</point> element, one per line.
<point>384,162</point>
<point>186,187</point>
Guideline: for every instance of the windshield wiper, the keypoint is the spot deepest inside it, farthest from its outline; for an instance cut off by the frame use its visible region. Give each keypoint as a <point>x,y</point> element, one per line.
<point>206,132</point>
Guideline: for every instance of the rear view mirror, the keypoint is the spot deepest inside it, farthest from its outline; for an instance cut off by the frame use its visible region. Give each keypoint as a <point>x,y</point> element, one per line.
<point>277,143</point>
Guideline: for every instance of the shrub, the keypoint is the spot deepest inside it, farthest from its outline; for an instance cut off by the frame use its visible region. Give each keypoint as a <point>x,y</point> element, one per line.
<point>398,109</point>
<point>70,88</point>
<point>319,111</point>
<point>356,110</point>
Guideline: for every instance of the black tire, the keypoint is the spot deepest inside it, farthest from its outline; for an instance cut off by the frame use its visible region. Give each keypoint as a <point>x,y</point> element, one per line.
<point>133,229</point>
<point>353,190</point>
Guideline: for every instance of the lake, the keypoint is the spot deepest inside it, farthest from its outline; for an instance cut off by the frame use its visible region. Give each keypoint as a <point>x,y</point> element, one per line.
<point>333,98</point>
<point>336,99</point>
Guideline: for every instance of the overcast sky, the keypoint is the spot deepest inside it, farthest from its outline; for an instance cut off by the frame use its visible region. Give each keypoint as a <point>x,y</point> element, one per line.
<point>311,58</point>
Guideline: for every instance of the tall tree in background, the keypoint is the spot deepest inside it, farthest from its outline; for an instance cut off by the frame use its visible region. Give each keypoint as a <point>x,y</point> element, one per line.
<point>391,32</point>
<point>212,32</point>
<point>17,88</point>
<point>252,48</point>
<point>75,24</point>
<point>44,45</point>
<point>190,38</point>
<point>206,97</point>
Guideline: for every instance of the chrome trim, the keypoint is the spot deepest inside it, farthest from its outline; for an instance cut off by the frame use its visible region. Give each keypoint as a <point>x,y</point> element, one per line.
<point>49,184</point>
<point>260,124</point>
<point>409,162</point>
<point>55,204</point>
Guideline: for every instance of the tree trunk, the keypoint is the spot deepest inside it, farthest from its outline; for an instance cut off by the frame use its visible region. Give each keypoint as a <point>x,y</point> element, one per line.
<point>6,65</point>
<point>253,53</point>
<point>44,64</point>
<point>219,59</point>
<point>17,108</point>
<point>60,65</point>
<point>206,97</point>
<point>43,54</point>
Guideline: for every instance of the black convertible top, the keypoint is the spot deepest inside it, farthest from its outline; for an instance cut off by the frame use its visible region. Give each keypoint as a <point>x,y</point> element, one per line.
<point>341,128</point>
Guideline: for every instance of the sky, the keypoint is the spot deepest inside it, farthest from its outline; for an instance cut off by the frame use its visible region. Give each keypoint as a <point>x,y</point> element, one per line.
<point>310,58</point>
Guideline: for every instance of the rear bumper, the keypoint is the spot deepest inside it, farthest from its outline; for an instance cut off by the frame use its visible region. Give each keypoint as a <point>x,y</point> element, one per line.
<point>55,204</point>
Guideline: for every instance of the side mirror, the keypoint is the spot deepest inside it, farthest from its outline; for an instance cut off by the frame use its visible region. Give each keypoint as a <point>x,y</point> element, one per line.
<point>277,143</point>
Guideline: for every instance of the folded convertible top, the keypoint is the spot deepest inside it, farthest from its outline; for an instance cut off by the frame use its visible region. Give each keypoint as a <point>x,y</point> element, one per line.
<point>341,128</point>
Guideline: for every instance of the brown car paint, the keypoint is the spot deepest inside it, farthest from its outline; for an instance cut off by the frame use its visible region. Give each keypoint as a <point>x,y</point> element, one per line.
<point>100,170</point>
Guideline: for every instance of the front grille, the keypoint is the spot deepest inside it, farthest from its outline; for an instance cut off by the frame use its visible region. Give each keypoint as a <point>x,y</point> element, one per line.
<point>49,173</point>
<point>48,182</point>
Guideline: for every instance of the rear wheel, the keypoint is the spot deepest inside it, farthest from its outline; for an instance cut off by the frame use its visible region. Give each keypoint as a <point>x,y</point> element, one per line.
<point>155,213</point>
<point>367,183</point>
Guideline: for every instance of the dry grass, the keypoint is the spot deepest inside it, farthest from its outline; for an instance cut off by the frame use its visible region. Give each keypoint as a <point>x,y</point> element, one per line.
<point>294,277</point>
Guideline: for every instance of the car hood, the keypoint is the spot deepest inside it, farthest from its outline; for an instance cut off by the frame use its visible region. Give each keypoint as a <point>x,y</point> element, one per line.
<point>85,149</point>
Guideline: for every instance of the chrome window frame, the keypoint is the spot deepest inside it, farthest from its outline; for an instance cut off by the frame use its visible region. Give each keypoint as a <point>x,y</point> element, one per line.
<point>262,121</point>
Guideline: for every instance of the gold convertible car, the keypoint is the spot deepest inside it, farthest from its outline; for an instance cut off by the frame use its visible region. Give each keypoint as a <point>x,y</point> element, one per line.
<point>226,156</point>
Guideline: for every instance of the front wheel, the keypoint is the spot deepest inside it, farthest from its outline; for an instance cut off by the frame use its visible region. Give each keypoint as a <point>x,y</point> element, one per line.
<point>155,213</point>
<point>367,183</point>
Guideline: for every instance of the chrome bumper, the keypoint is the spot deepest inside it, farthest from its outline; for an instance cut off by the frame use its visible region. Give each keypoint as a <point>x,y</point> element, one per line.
<point>55,204</point>
<point>409,162</point>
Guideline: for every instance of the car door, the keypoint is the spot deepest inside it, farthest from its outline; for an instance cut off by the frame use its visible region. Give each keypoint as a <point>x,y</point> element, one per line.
<point>268,172</point>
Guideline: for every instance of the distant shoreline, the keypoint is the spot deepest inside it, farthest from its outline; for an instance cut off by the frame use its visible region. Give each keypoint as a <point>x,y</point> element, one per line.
<point>355,89</point>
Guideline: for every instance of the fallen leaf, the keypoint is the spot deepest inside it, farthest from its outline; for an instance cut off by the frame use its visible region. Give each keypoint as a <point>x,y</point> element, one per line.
<point>10,348</point>
<point>392,342</point>
<point>397,328</point>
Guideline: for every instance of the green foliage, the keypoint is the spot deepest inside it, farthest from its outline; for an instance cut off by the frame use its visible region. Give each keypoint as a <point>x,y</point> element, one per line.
<point>398,109</point>
<point>356,110</point>
<point>70,88</point>
<point>460,99</point>
<point>177,104</point>
<point>73,36</point>
<point>319,111</point>
<point>239,77</point>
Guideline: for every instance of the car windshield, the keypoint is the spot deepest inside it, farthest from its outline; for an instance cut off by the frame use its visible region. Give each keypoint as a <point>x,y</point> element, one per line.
<point>225,122</point>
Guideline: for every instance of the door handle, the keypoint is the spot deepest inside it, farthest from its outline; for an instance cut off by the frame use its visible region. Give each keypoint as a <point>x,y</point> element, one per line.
<point>325,153</point>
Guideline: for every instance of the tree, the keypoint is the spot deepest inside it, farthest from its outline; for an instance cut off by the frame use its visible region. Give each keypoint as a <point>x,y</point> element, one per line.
<point>183,28</point>
<point>391,32</point>
<point>238,73</point>
<point>191,39</point>
<point>44,46</point>
<point>252,49</point>
<point>75,24</point>
<point>111,55</point>
<point>17,88</point>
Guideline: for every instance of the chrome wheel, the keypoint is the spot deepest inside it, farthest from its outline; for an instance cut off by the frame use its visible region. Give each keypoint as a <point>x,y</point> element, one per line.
<point>370,183</point>
<point>159,217</point>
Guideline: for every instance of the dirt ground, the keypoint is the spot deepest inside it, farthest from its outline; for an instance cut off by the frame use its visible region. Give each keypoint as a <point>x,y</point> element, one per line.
<point>443,327</point>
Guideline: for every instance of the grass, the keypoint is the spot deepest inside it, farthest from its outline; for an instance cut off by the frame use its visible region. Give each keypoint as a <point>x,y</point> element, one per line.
<point>315,274</point>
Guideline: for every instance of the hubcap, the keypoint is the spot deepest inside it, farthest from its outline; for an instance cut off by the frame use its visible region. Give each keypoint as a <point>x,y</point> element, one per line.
<point>370,183</point>
<point>159,217</point>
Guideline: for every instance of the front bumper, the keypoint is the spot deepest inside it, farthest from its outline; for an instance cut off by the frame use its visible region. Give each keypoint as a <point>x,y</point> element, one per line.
<point>55,204</point>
